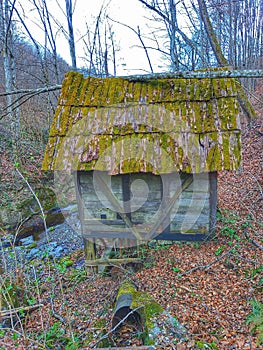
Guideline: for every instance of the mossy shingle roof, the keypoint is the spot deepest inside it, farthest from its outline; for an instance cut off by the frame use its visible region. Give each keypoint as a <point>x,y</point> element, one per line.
<point>157,125</point>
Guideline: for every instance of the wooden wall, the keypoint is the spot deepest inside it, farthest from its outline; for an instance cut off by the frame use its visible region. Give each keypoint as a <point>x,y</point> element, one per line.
<point>144,198</point>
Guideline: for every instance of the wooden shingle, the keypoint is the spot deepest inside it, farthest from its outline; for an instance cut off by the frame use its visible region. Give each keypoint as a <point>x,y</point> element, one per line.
<point>158,126</point>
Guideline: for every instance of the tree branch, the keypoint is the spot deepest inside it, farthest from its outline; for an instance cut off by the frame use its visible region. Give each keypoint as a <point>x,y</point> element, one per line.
<point>222,61</point>
<point>209,73</point>
<point>204,267</point>
<point>138,33</point>
<point>32,91</point>
<point>10,312</point>
<point>251,240</point>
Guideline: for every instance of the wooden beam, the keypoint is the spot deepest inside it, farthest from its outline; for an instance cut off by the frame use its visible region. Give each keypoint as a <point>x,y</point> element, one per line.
<point>112,261</point>
<point>117,207</point>
<point>109,234</point>
<point>212,201</point>
<point>164,214</point>
<point>183,237</point>
<point>228,73</point>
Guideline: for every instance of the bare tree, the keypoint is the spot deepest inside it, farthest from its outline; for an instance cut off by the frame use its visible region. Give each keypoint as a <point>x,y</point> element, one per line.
<point>71,40</point>
<point>100,47</point>
<point>182,45</point>
<point>239,29</point>
<point>49,36</point>
<point>7,49</point>
<point>222,61</point>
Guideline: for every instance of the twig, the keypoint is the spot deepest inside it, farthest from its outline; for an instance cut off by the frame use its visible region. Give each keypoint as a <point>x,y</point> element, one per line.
<point>185,288</point>
<point>117,325</point>
<point>32,91</point>
<point>251,240</point>
<point>204,267</point>
<point>38,202</point>
<point>57,316</point>
<point>255,179</point>
<point>138,33</point>
<point>39,345</point>
<point>9,312</point>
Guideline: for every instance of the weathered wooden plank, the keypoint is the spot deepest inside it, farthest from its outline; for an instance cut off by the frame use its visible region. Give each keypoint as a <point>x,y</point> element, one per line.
<point>94,225</point>
<point>226,73</point>
<point>213,201</point>
<point>192,202</point>
<point>178,236</point>
<point>200,217</point>
<point>120,261</point>
<point>109,234</point>
<point>169,207</point>
<point>193,229</point>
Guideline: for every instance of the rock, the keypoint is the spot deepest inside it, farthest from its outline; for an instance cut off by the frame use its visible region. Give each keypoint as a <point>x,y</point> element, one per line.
<point>21,205</point>
<point>34,253</point>
<point>56,253</point>
<point>167,327</point>
<point>60,241</point>
<point>27,241</point>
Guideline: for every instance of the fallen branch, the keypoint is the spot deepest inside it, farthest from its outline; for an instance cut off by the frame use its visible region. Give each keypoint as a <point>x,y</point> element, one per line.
<point>112,262</point>
<point>32,91</point>
<point>57,316</point>
<point>204,267</point>
<point>242,73</point>
<point>10,312</point>
<point>251,240</point>
<point>38,202</point>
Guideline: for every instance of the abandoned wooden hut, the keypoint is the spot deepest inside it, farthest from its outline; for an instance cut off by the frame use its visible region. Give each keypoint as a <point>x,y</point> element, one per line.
<point>145,153</point>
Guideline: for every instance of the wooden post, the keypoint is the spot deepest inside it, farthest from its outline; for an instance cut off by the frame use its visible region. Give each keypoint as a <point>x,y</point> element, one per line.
<point>89,244</point>
<point>212,201</point>
<point>90,254</point>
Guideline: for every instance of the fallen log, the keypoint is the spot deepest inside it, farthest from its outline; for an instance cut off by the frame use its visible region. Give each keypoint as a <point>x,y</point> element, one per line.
<point>140,310</point>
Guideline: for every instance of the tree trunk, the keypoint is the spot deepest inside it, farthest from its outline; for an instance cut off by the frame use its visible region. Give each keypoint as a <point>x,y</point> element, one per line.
<point>9,71</point>
<point>222,61</point>
<point>71,40</point>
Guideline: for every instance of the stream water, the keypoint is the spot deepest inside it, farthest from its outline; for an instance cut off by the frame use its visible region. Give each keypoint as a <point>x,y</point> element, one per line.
<point>32,242</point>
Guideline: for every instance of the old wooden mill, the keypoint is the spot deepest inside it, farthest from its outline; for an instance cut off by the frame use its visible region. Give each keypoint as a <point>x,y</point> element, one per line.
<point>145,155</point>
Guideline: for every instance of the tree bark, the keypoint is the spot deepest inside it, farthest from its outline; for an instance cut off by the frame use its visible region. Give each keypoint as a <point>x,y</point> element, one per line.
<point>9,70</point>
<point>222,61</point>
<point>71,40</point>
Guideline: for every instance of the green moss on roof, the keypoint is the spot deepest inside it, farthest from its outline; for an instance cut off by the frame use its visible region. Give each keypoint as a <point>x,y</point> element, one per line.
<point>159,125</point>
